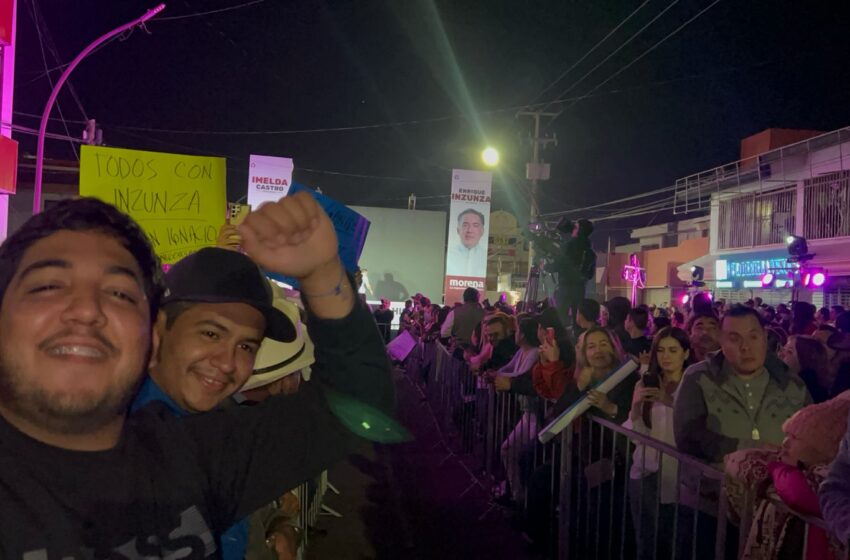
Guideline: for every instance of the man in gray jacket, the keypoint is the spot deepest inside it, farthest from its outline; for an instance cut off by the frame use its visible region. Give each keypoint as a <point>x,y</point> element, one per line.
<point>738,397</point>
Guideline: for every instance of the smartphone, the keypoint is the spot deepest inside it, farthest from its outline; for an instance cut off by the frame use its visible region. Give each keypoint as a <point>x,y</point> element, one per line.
<point>236,213</point>
<point>550,335</point>
<point>652,380</point>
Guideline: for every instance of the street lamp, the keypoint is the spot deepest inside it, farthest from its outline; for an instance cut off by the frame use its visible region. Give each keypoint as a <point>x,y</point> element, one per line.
<point>42,129</point>
<point>490,156</point>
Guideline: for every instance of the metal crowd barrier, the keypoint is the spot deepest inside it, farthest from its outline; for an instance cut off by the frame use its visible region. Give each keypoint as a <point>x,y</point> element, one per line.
<point>493,434</point>
<point>576,494</point>
<point>606,515</point>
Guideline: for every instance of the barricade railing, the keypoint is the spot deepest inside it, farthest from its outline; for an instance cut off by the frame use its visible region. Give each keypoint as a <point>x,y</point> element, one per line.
<point>612,504</point>
<point>585,494</point>
<point>493,433</point>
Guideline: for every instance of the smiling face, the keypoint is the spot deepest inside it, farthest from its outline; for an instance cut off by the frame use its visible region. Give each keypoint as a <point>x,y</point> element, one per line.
<point>207,354</point>
<point>598,351</point>
<point>470,228</point>
<point>75,334</point>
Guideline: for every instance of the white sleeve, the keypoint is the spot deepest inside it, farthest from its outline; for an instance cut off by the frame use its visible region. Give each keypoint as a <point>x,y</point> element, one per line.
<point>446,330</point>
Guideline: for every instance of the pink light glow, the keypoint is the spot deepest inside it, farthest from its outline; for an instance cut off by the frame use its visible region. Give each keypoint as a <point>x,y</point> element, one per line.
<point>767,279</point>
<point>685,299</point>
<point>818,279</point>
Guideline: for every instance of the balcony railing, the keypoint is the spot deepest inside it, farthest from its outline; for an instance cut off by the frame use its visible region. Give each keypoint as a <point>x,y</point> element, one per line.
<point>756,219</point>
<point>826,213</point>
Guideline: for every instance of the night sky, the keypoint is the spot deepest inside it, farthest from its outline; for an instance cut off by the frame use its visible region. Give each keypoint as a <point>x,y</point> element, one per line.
<point>741,67</point>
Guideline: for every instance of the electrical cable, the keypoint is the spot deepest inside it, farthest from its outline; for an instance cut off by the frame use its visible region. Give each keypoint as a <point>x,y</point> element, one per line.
<point>643,54</point>
<point>591,51</point>
<point>399,123</point>
<point>211,12</point>
<point>32,8</point>
<point>51,46</point>
<point>618,49</point>
<point>34,132</point>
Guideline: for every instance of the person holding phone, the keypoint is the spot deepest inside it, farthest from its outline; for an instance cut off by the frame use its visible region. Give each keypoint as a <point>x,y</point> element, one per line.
<point>652,414</point>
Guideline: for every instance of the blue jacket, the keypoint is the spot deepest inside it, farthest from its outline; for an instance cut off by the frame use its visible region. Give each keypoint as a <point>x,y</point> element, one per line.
<point>234,541</point>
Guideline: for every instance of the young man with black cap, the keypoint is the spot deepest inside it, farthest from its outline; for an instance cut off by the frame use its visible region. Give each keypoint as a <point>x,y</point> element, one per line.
<point>79,291</point>
<point>215,312</point>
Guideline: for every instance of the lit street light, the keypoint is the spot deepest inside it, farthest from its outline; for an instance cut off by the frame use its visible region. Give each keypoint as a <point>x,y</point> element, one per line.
<point>490,157</point>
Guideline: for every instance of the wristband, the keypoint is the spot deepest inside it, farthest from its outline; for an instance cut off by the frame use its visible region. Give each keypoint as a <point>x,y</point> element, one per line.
<point>335,291</point>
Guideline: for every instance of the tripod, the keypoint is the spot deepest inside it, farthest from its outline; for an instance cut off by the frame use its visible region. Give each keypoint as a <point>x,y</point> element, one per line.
<point>532,288</point>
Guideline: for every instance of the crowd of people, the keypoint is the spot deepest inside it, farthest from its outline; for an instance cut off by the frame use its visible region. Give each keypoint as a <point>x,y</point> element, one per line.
<point>756,390</point>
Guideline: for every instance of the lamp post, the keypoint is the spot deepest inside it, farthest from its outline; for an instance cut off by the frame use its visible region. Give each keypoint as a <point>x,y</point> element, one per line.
<point>45,115</point>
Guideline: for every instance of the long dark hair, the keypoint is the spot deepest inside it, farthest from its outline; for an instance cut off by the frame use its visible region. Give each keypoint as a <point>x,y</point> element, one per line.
<point>684,341</point>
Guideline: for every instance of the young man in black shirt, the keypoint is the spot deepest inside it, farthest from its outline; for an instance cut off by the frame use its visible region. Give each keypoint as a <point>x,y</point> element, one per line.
<point>636,324</point>
<point>80,286</point>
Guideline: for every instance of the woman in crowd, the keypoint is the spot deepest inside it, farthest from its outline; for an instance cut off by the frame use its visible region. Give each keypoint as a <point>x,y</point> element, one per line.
<point>522,438</point>
<point>598,354</point>
<point>806,357</point>
<point>556,366</point>
<point>600,467</point>
<point>652,494</point>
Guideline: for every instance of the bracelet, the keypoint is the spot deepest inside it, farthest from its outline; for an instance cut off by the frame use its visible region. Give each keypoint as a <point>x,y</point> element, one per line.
<point>337,290</point>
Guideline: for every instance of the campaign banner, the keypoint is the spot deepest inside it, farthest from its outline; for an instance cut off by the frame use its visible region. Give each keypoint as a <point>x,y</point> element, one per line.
<point>179,201</point>
<point>469,223</point>
<point>269,179</point>
<point>351,230</point>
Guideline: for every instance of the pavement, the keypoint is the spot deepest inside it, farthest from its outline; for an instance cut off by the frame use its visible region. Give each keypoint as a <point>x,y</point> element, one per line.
<point>404,501</point>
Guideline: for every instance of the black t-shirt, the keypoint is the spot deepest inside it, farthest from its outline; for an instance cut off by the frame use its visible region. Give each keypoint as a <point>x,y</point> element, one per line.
<point>173,485</point>
<point>503,353</point>
<point>635,346</point>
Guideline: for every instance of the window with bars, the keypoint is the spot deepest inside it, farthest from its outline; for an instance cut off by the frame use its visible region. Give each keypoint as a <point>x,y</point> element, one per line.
<point>757,219</point>
<point>827,206</point>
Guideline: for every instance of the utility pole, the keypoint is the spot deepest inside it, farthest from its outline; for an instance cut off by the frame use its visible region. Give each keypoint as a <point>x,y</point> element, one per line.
<point>536,170</point>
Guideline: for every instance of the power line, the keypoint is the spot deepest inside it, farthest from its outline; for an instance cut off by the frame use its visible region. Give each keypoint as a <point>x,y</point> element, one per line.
<point>395,124</point>
<point>646,52</point>
<point>588,53</point>
<point>603,204</point>
<point>33,12</point>
<point>49,71</point>
<point>618,49</point>
<point>211,12</point>
<point>51,46</point>
<point>34,132</point>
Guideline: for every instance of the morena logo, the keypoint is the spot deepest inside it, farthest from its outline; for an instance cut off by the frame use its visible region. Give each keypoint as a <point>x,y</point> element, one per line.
<point>456,283</point>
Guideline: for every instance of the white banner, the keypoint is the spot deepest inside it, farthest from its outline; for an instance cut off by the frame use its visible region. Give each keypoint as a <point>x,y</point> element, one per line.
<point>469,223</point>
<point>269,178</point>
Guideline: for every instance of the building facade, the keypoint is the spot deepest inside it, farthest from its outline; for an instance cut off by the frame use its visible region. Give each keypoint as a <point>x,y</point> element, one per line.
<point>797,189</point>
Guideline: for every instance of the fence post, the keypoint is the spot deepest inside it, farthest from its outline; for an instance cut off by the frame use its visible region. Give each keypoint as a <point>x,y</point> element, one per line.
<point>566,493</point>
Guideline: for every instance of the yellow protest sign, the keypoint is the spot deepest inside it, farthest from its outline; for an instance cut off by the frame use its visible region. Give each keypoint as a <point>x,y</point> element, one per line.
<point>180,201</point>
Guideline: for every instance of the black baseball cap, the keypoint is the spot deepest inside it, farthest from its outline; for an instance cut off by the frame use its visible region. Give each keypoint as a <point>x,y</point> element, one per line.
<point>215,275</point>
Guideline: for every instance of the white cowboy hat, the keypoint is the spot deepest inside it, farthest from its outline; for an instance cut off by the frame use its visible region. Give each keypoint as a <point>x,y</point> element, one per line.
<point>276,359</point>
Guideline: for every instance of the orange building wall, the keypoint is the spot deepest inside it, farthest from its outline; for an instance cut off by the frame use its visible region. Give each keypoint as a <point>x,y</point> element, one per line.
<point>661,264</point>
<point>773,138</point>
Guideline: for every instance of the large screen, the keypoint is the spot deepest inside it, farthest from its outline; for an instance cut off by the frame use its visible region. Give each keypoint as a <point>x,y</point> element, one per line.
<point>405,253</point>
